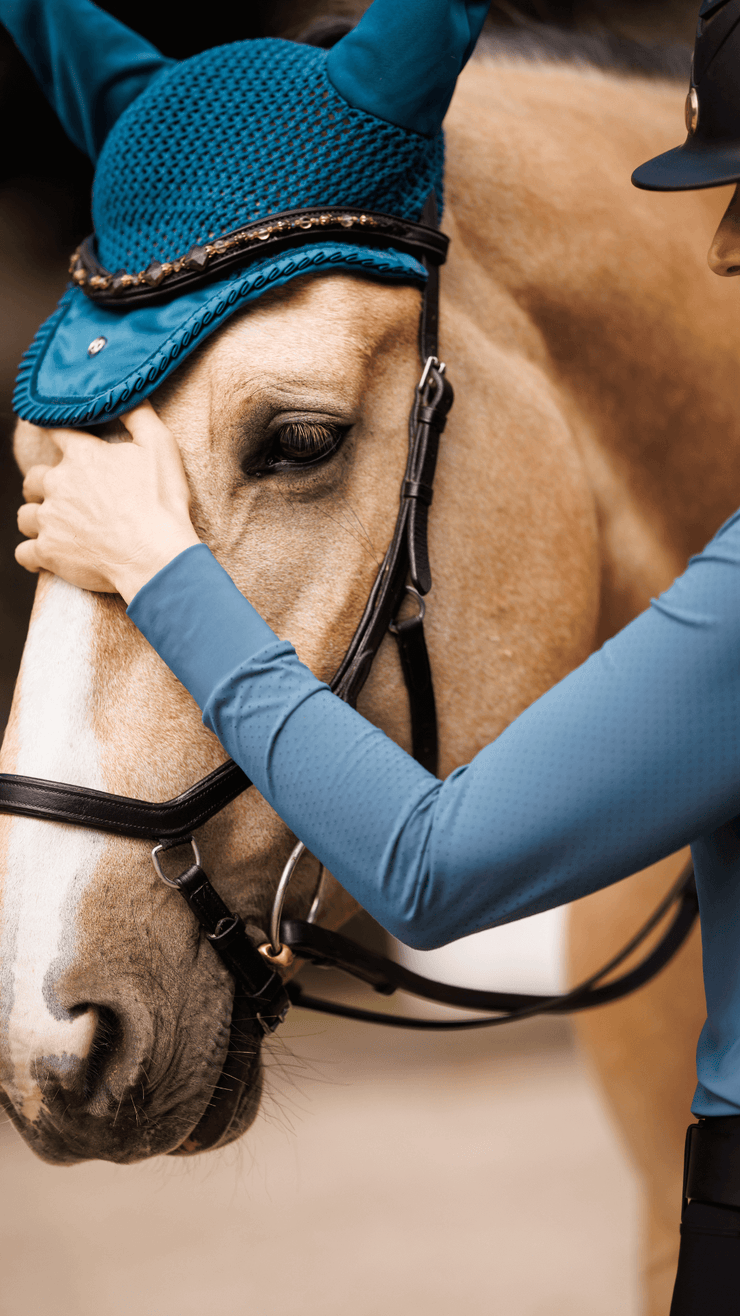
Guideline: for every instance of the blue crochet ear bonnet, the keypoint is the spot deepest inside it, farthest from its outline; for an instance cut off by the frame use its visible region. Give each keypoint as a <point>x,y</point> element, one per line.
<point>190,153</point>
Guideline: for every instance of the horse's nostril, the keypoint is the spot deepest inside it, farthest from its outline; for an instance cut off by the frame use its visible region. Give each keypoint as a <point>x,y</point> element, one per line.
<point>75,1063</point>
<point>107,1034</point>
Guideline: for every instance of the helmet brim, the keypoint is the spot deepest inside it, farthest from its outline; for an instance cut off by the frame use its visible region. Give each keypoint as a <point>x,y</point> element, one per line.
<point>690,167</point>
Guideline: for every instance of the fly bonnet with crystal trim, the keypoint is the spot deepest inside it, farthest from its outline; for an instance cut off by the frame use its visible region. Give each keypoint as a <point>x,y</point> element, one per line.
<point>226,175</point>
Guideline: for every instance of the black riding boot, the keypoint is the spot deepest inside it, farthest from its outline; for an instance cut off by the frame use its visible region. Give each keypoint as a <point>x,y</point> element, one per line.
<point>708,1278</point>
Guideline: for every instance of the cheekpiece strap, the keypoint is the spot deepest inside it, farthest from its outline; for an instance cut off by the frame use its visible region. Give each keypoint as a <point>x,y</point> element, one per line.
<point>213,259</point>
<point>225,930</point>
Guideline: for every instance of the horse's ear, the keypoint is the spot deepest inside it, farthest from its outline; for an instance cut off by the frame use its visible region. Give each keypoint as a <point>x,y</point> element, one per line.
<point>404,57</point>
<point>88,64</point>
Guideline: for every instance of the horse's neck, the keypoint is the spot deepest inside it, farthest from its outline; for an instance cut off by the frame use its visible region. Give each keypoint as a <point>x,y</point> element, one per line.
<point>637,336</point>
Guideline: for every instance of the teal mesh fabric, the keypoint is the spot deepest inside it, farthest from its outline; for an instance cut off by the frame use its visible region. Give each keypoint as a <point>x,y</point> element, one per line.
<point>241,132</point>
<point>235,134</point>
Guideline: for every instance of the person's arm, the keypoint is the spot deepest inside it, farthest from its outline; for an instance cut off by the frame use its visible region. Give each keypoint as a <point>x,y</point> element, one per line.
<point>88,64</point>
<point>633,755</point>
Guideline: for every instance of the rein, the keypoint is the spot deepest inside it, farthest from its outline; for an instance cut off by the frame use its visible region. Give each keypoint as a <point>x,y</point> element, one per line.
<point>405,570</point>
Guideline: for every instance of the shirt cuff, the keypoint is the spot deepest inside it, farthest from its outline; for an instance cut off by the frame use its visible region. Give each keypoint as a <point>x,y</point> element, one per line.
<point>193,615</point>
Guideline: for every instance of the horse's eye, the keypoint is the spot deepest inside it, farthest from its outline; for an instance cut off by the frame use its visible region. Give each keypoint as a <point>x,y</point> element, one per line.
<point>302,443</point>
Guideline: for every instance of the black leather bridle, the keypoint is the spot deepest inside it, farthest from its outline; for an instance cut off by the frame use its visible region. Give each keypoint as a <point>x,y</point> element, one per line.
<point>405,570</point>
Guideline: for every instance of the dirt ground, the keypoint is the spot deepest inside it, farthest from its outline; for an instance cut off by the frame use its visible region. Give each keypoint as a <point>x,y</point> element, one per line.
<point>389,1173</point>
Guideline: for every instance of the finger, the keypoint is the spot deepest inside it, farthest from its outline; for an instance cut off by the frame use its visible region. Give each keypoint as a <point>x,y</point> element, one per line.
<point>69,441</point>
<point>147,430</point>
<point>28,520</point>
<point>25,556</point>
<point>33,485</point>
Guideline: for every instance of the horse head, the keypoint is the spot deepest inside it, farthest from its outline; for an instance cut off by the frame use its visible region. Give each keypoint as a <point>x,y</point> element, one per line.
<point>117,1016</point>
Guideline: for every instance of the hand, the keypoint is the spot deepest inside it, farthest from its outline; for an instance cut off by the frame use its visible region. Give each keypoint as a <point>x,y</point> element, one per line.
<point>110,515</point>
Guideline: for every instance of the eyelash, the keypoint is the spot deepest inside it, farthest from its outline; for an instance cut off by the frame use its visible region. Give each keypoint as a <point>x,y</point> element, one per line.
<point>317,441</point>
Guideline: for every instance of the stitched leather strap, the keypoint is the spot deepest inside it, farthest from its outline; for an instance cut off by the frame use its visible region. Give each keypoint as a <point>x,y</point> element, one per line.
<point>417,674</point>
<point>429,321</point>
<point>430,419</point>
<point>169,821</point>
<point>226,933</point>
<point>408,552</point>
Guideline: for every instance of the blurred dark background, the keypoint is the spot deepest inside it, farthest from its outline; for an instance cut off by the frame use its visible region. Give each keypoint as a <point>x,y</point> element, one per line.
<point>45,185</point>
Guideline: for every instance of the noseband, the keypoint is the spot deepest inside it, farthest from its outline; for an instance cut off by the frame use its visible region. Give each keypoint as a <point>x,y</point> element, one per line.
<point>405,570</point>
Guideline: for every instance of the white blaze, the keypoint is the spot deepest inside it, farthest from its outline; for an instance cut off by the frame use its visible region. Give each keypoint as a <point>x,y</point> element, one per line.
<point>48,864</point>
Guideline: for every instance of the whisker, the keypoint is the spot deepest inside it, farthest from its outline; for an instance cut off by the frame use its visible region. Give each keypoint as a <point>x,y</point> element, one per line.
<point>118,1111</point>
<point>365,532</point>
<point>364,538</point>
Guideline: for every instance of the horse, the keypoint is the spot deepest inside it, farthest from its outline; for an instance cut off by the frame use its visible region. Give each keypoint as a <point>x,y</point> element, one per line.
<point>589,346</point>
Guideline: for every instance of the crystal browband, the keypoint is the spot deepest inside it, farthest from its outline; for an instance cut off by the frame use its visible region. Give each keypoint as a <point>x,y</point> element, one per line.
<point>216,257</point>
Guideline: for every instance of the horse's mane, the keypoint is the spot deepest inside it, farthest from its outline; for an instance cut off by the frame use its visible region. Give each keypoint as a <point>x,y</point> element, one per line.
<point>591,33</point>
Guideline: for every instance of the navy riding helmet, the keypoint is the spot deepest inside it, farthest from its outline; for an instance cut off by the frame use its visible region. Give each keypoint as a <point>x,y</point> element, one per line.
<point>710,156</point>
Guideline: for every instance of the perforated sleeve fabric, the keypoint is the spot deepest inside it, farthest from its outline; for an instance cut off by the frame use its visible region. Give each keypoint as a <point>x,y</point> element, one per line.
<point>89,66</point>
<point>404,57</point>
<point>634,754</point>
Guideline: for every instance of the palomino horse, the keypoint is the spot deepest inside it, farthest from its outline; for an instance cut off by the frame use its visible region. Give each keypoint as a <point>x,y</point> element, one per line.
<point>594,444</point>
